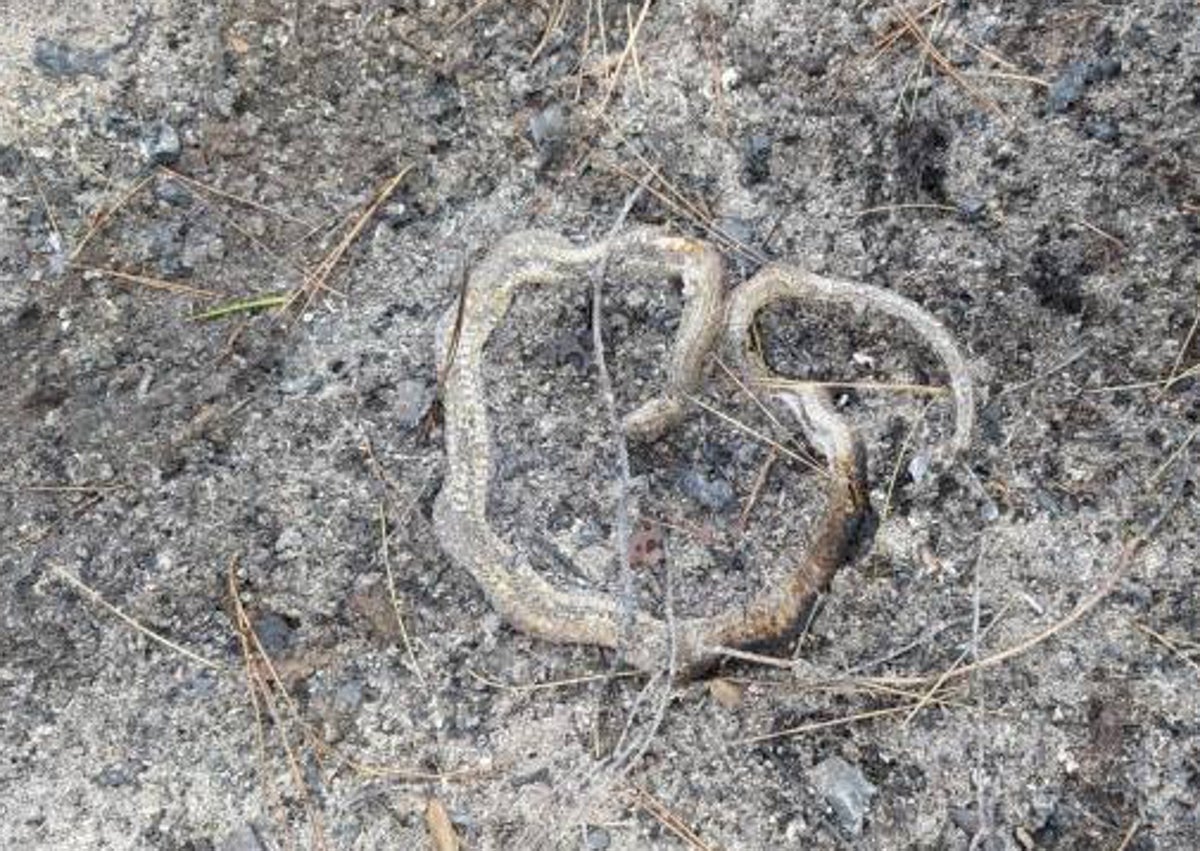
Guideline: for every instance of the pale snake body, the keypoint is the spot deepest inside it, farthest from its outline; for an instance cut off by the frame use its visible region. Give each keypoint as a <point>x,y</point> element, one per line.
<point>521,595</point>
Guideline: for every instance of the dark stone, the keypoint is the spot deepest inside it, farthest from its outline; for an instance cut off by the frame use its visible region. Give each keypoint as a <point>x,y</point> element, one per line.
<point>541,775</point>
<point>1106,69</point>
<point>59,59</point>
<point>10,161</point>
<point>921,148</point>
<point>815,65</point>
<point>1066,91</point>
<point>756,159</point>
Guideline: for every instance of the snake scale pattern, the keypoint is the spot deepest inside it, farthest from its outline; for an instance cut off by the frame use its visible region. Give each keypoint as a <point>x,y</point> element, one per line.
<point>517,591</point>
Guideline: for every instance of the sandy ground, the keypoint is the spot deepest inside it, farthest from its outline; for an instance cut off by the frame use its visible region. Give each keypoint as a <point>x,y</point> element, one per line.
<point>1028,171</point>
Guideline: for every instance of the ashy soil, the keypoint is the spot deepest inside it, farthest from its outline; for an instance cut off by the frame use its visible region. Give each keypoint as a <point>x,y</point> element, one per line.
<point>210,524</point>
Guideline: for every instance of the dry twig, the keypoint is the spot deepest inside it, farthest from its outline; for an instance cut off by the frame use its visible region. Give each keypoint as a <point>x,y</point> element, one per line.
<point>94,595</point>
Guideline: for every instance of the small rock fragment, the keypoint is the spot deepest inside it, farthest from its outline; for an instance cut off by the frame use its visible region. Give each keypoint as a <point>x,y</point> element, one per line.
<point>289,544</point>
<point>1068,88</point>
<point>814,64</point>
<point>59,59</point>
<point>172,192</point>
<point>728,694</point>
<point>413,399</point>
<point>919,466</point>
<point>548,129</point>
<point>972,209</point>
<point>597,838</point>
<point>846,789</point>
<point>160,145</point>
<point>114,775</point>
<point>713,493</point>
<point>1102,130</point>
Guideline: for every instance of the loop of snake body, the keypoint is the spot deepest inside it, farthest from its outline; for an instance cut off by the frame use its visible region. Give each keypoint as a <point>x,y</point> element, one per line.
<point>521,595</point>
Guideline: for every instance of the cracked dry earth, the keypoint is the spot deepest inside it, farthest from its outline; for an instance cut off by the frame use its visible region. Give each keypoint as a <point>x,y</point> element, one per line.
<point>240,487</point>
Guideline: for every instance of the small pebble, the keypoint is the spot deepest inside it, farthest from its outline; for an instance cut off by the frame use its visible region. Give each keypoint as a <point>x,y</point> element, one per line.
<point>815,64</point>
<point>1105,69</point>
<point>1068,88</point>
<point>715,494</point>
<point>548,130</point>
<point>919,466</point>
<point>972,209</point>
<point>728,694</point>
<point>413,399</point>
<point>173,193</point>
<point>597,839</point>
<point>846,789</point>
<point>114,775</point>
<point>160,145</point>
<point>289,543</point>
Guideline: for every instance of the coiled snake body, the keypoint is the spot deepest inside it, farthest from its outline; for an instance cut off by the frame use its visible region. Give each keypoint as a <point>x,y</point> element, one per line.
<point>520,594</point>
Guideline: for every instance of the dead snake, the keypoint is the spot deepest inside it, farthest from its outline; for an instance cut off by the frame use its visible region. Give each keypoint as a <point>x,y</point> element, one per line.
<point>521,595</point>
